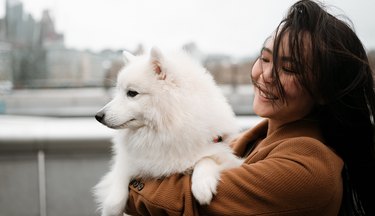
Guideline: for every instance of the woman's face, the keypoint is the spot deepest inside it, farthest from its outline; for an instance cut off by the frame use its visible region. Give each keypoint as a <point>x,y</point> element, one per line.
<point>267,101</point>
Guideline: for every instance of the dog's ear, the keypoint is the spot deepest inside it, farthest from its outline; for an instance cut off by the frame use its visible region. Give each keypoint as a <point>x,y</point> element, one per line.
<point>127,56</point>
<point>156,59</point>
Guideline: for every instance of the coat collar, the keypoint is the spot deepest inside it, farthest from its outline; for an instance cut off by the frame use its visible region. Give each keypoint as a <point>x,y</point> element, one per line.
<point>239,145</point>
<point>303,127</point>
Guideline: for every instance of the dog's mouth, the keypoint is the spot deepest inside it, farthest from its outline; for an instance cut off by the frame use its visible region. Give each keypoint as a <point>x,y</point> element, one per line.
<point>123,125</point>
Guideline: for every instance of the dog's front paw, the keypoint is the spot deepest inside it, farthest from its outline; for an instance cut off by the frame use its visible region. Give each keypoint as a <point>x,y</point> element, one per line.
<point>114,204</point>
<point>203,189</point>
<point>111,208</point>
<point>204,180</point>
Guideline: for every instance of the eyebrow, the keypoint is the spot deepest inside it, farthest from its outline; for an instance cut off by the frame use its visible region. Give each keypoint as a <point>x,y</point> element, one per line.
<point>267,50</point>
<point>283,58</point>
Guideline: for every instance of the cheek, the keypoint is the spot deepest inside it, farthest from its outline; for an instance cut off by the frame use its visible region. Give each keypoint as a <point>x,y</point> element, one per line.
<point>292,88</point>
<point>298,96</point>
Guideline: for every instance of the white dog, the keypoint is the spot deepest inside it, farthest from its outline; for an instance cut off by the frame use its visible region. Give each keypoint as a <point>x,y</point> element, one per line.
<point>168,112</point>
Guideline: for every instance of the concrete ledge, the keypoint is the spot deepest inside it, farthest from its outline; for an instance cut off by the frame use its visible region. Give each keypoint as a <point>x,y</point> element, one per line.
<point>51,164</point>
<point>27,133</point>
<point>48,133</point>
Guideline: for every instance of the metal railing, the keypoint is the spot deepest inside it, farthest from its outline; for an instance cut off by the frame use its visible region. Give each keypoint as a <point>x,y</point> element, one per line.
<point>48,166</point>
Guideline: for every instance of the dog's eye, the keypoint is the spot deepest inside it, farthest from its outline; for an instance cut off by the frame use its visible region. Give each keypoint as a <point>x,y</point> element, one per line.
<point>131,93</point>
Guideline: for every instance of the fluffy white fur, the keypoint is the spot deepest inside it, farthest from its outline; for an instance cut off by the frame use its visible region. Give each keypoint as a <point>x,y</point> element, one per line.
<point>167,110</point>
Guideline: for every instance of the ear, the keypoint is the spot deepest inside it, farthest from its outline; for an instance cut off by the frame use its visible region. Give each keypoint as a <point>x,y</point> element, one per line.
<point>156,58</point>
<point>127,56</point>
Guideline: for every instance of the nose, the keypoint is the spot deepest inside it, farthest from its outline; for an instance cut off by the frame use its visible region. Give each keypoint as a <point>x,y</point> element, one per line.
<point>100,116</point>
<point>267,74</point>
<point>262,71</point>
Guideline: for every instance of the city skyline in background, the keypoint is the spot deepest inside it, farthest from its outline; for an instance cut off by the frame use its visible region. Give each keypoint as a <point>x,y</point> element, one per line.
<point>237,28</point>
<point>33,55</point>
<point>38,73</point>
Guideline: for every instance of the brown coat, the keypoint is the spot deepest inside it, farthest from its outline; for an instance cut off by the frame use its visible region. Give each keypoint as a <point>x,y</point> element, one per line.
<point>290,172</point>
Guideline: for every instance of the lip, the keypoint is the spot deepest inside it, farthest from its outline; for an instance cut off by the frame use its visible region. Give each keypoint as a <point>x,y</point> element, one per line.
<point>266,95</point>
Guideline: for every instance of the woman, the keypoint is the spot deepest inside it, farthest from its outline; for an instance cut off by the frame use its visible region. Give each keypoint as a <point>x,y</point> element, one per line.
<point>314,152</point>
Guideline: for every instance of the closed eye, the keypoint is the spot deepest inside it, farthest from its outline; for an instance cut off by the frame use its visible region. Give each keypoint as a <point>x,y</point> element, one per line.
<point>263,59</point>
<point>131,93</point>
<point>287,65</point>
<point>288,70</point>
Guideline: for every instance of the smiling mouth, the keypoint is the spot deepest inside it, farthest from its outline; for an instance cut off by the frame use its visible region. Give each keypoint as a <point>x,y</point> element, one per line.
<point>123,125</point>
<point>267,95</point>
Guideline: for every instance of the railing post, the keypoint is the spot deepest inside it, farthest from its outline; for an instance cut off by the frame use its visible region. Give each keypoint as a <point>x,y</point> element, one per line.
<point>42,183</point>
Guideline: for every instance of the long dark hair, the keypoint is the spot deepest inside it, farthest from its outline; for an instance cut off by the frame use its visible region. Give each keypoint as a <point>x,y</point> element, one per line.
<point>337,74</point>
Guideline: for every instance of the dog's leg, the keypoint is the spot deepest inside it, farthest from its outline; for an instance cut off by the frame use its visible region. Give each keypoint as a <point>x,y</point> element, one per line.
<point>228,160</point>
<point>102,189</point>
<point>115,202</point>
<point>206,175</point>
<point>205,178</point>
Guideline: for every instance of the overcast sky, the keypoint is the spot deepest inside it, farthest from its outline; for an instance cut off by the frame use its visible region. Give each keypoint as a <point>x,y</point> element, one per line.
<point>232,27</point>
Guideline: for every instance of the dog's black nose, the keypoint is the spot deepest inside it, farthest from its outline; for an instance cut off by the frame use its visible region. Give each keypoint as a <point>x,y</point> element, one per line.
<point>100,116</point>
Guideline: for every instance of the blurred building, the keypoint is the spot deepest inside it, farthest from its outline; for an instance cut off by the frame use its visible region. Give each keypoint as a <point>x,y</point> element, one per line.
<point>34,55</point>
<point>5,68</point>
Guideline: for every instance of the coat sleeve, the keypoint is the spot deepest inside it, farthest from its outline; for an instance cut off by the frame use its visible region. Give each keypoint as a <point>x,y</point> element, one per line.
<point>289,179</point>
<point>169,196</point>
